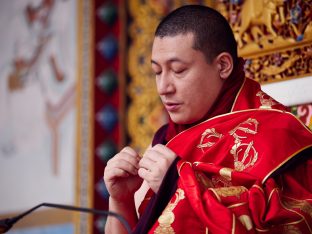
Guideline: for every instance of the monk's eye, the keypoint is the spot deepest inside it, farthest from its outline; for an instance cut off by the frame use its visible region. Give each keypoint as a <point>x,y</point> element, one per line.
<point>178,71</point>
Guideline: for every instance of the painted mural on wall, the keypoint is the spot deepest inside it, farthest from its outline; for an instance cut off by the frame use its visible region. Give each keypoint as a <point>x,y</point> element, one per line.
<point>37,102</point>
<point>304,113</point>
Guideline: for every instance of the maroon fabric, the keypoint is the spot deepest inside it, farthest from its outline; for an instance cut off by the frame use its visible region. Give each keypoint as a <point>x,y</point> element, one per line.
<point>160,136</point>
<point>222,104</point>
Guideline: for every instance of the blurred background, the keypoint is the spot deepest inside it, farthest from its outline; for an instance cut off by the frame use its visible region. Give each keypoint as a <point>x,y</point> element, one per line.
<point>76,86</point>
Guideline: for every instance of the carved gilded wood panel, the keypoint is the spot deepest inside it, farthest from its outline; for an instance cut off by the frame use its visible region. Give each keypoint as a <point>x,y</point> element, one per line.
<point>275,36</point>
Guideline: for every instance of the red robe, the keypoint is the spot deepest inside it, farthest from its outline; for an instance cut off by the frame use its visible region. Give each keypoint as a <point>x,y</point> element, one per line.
<point>246,171</point>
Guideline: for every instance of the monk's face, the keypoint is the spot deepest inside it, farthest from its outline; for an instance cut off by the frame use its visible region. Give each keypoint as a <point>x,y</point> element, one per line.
<point>186,83</point>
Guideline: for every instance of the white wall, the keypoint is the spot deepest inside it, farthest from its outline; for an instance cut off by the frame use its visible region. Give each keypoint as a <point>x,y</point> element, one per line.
<point>291,92</point>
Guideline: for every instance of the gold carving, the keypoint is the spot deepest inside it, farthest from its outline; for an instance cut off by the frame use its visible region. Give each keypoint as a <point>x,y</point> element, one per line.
<point>167,217</point>
<point>245,154</point>
<point>274,35</point>
<point>257,15</point>
<point>208,138</point>
<point>280,65</point>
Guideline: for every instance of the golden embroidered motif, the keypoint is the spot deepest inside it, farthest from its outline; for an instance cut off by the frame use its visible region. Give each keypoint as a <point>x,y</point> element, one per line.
<point>266,101</point>
<point>246,221</point>
<point>249,126</point>
<point>245,154</point>
<point>291,229</point>
<point>220,181</point>
<point>230,191</point>
<point>224,180</point>
<point>226,173</point>
<point>167,217</point>
<point>302,205</point>
<point>182,164</point>
<point>203,179</point>
<point>208,138</point>
<point>247,159</point>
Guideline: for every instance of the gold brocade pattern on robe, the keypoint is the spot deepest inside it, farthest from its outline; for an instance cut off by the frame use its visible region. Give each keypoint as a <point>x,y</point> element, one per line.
<point>167,217</point>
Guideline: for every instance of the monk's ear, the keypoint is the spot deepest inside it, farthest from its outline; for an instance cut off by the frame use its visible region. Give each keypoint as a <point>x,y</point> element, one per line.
<point>225,65</point>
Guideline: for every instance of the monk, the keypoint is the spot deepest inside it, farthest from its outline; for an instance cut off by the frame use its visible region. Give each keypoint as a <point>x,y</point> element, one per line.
<point>231,158</point>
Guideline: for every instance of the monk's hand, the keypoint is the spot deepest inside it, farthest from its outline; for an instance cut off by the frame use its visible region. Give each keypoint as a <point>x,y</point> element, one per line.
<point>154,165</point>
<point>121,175</point>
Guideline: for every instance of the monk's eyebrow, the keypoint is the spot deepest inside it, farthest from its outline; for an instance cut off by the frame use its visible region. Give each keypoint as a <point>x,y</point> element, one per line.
<point>154,62</point>
<point>169,61</point>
